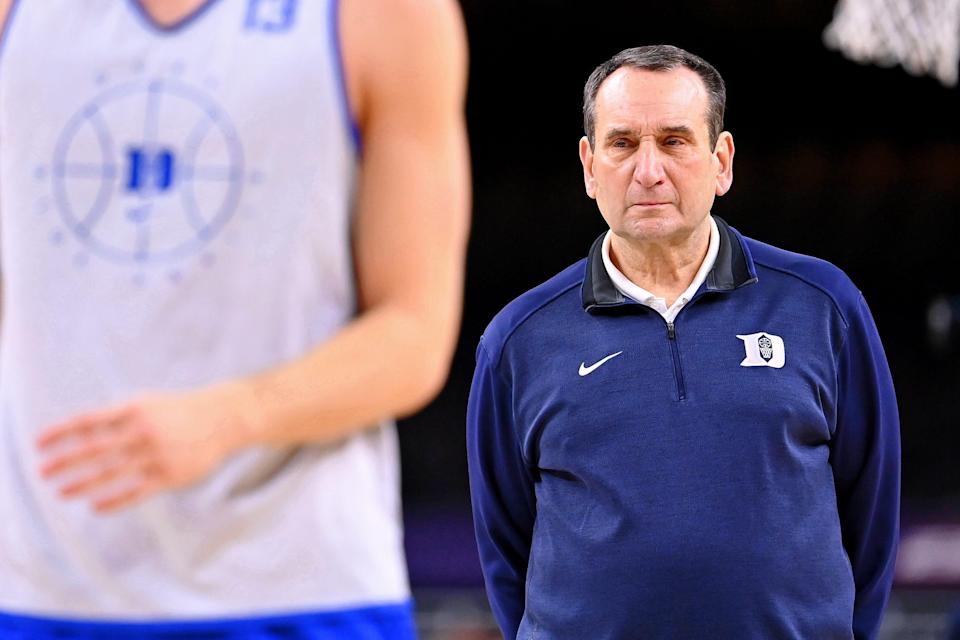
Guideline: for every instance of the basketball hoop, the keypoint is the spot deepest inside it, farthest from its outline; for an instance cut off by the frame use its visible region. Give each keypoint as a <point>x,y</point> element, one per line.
<point>923,36</point>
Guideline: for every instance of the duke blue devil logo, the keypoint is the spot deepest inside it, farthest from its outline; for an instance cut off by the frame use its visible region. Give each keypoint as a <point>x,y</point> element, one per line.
<point>763,349</point>
<point>766,348</point>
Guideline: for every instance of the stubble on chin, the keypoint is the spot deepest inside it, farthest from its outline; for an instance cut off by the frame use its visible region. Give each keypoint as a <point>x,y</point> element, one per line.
<point>647,227</point>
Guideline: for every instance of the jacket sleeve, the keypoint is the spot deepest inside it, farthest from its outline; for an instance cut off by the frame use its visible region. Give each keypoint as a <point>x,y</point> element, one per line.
<point>865,456</point>
<point>501,490</point>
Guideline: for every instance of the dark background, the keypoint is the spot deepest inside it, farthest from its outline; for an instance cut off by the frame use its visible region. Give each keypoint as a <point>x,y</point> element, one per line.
<point>854,164</point>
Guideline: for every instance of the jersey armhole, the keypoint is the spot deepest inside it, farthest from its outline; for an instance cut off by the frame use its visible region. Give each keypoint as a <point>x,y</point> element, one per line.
<point>5,26</point>
<point>333,23</point>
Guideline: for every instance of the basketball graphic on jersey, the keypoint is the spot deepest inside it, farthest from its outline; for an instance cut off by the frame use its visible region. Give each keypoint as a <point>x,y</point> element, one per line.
<point>147,172</point>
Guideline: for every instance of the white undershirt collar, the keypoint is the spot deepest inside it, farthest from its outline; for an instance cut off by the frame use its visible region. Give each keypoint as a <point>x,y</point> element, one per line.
<point>644,297</point>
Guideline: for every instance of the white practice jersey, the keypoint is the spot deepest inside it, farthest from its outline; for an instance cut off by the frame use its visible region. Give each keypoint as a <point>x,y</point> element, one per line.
<point>175,211</point>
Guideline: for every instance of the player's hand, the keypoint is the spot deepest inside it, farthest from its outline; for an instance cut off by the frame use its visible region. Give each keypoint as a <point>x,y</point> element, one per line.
<point>122,455</point>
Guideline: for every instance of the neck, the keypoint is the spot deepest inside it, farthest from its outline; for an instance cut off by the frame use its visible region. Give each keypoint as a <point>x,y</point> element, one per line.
<point>170,12</point>
<point>665,268</point>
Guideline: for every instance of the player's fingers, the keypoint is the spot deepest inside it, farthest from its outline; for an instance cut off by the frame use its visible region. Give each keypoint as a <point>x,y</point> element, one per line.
<point>82,425</point>
<point>119,444</point>
<point>76,456</point>
<point>129,496</point>
<point>102,477</point>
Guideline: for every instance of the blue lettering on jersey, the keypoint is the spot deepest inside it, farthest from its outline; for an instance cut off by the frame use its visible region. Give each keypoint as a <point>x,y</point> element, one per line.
<point>273,16</point>
<point>145,165</point>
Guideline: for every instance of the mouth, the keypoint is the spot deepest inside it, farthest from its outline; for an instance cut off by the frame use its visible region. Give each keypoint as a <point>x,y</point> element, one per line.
<point>650,204</point>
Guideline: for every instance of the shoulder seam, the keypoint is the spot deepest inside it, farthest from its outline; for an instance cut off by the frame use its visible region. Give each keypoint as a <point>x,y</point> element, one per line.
<point>495,366</point>
<point>816,286</point>
<point>836,357</point>
<point>513,329</point>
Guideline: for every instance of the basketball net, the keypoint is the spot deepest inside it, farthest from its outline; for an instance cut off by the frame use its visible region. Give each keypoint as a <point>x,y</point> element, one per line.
<point>921,35</point>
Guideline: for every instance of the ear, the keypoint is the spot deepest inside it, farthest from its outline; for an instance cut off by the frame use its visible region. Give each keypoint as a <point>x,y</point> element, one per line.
<point>586,159</point>
<point>724,155</point>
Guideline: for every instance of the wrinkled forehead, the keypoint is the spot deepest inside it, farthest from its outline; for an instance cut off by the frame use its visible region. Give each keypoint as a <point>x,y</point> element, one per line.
<point>641,99</point>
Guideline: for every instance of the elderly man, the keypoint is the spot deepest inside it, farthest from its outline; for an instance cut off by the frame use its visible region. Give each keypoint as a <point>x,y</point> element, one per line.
<point>688,434</point>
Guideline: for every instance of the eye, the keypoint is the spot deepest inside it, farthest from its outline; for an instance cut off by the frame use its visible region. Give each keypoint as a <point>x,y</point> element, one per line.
<point>675,142</point>
<point>620,143</point>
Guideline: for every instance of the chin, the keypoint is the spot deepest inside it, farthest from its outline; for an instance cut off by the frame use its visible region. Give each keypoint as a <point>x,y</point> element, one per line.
<point>651,228</point>
<point>657,223</point>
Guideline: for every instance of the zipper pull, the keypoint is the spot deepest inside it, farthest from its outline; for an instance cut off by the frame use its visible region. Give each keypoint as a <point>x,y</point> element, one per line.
<point>671,331</point>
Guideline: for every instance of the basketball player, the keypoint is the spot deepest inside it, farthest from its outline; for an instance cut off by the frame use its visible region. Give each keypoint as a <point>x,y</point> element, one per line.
<point>232,248</point>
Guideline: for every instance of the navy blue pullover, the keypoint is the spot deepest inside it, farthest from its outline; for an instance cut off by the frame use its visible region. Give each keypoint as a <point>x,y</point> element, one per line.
<point>672,492</point>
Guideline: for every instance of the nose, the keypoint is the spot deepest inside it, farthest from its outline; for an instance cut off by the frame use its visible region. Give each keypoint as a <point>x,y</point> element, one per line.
<point>648,170</point>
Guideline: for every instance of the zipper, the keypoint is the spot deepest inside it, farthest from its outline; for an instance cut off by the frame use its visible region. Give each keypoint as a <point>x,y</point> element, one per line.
<point>677,369</point>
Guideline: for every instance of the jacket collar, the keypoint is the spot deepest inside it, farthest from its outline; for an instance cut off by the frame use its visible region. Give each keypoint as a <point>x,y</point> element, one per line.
<point>733,269</point>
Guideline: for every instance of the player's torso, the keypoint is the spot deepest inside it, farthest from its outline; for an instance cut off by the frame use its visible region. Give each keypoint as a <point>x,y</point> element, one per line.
<point>166,173</point>
<point>175,209</point>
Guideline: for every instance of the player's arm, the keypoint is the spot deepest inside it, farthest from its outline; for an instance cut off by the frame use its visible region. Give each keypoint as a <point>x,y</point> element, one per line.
<point>865,455</point>
<point>5,6</point>
<point>411,226</point>
<point>501,491</point>
<point>406,66</point>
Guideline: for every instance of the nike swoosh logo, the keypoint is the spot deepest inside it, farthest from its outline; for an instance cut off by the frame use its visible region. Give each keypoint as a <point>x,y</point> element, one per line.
<point>585,370</point>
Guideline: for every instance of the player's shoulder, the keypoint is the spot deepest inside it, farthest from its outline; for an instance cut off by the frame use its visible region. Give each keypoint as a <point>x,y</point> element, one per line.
<point>807,271</point>
<point>526,307</point>
<point>430,72</point>
<point>415,11</point>
<point>379,26</point>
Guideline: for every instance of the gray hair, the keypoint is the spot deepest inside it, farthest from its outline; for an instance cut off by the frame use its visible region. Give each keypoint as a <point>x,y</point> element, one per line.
<point>659,57</point>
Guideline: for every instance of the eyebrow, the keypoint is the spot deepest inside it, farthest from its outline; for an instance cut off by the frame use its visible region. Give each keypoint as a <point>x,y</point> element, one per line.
<point>678,129</point>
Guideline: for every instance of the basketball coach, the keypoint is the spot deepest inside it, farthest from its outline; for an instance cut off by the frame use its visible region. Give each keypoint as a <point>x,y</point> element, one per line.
<point>689,433</point>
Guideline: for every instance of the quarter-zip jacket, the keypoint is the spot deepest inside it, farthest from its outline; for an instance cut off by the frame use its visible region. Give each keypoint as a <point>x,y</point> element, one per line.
<point>688,487</point>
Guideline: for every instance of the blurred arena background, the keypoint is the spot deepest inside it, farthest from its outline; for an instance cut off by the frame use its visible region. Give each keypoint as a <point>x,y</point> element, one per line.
<point>857,164</point>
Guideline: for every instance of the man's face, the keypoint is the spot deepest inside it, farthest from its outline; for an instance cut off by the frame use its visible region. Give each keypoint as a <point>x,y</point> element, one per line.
<point>652,169</point>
